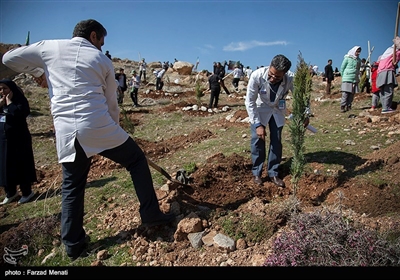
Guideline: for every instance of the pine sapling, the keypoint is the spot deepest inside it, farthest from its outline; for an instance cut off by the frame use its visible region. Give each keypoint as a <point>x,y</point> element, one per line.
<point>301,99</point>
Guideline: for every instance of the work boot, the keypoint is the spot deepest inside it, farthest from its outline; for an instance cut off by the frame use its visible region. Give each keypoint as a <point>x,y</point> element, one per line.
<point>258,180</point>
<point>161,219</point>
<point>277,181</point>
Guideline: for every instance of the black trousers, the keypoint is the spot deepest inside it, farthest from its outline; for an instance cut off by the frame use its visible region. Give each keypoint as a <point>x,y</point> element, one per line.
<point>130,156</point>
<point>134,94</point>
<point>214,97</point>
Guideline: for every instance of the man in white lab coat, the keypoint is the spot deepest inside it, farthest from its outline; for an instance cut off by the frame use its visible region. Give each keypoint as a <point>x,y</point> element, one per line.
<point>81,83</point>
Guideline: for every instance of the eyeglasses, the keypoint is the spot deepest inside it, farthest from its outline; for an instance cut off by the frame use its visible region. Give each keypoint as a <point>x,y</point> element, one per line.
<point>274,76</point>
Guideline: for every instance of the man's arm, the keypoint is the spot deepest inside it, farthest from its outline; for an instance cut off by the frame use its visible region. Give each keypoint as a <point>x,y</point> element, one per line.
<point>25,59</point>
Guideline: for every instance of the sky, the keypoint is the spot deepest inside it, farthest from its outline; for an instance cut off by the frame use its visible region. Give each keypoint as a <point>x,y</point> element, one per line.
<point>251,32</point>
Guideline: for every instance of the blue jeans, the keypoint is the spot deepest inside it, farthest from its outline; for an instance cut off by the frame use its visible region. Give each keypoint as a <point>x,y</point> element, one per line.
<point>130,156</point>
<point>258,150</point>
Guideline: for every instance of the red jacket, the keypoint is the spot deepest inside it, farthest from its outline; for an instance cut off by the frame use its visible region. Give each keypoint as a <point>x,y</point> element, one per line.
<point>374,75</point>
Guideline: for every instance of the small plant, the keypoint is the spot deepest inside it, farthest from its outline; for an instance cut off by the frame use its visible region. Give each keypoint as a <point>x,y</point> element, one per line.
<point>301,101</point>
<point>190,167</point>
<point>126,122</point>
<point>199,91</point>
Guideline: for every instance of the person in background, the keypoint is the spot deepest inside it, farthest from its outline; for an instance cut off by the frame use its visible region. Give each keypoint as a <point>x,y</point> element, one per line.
<point>365,76</point>
<point>159,78</point>
<point>311,70</point>
<point>336,72</point>
<point>17,165</point>
<point>215,88</point>
<point>121,78</point>
<point>386,80</point>
<point>329,77</point>
<point>375,89</point>
<point>108,54</point>
<point>350,72</point>
<point>86,119</point>
<point>315,70</point>
<point>142,69</point>
<point>237,75</point>
<point>248,72</point>
<point>135,85</point>
<point>220,72</point>
<point>266,106</point>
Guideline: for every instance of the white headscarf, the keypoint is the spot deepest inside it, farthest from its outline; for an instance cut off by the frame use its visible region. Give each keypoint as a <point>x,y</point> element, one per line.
<point>388,52</point>
<point>352,52</point>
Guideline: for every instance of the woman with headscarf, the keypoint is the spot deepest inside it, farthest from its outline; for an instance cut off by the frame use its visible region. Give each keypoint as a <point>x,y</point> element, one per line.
<point>386,80</point>
<point>350,72</point>
<point>17,166</point>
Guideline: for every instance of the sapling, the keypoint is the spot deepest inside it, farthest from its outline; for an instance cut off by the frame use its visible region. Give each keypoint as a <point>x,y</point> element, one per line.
<point>302,84</point>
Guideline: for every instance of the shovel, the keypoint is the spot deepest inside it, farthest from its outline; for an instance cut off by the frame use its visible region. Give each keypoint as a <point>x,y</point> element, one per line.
<point>183,180</point>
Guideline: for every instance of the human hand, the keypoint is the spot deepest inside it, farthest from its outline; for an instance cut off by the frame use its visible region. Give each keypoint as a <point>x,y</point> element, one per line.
<point>5,98</point>
<point>261,133</point>
<point>41,81</point>
<point>306,122</point>
<point>396,42</point>
<point>2,100</point>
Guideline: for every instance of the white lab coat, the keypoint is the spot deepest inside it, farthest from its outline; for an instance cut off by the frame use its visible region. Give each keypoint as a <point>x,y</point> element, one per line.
<point>82,88</point>
<point>258,104</point>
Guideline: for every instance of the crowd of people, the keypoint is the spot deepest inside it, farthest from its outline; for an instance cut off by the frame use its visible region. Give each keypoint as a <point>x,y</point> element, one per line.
<point>359,75</point>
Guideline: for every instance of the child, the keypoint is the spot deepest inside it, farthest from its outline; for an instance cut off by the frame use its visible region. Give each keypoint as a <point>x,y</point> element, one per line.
<point>375,90</point>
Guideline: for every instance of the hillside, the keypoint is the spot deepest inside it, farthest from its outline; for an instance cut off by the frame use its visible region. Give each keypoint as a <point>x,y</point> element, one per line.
<point>352,161</point>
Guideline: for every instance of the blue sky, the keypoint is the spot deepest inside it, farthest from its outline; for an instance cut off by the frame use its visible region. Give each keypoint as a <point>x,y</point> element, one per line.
<point>249,31</point>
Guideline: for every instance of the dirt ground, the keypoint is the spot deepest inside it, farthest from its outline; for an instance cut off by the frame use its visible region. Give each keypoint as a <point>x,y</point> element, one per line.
<point>225,183</point>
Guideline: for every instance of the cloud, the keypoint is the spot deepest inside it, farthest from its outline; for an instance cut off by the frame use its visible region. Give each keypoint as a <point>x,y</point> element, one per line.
<point>206,49</point>
<point>242,46</point>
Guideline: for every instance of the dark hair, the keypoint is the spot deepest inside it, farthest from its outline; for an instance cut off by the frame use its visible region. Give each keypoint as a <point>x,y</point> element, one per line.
<point>85,27</point>
<point>281,63</point>
<point>16,90</point>
<point>329,60</point>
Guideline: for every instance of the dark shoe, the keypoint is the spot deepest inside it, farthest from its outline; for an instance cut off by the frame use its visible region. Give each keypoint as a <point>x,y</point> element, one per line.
<point>162,220</point>
<point>342,109</point>
<point>258,180</point>
<point>277,181</point>
<point>25,199</point>
<point>82,253</point>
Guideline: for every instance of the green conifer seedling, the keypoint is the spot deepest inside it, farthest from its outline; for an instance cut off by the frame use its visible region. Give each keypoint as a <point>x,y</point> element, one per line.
<point>301,101</point>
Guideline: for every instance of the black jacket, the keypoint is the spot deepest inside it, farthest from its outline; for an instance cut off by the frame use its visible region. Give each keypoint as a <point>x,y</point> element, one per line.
<point>17,163</point>
<point>117,78</point>
<point>213,80</point>
<point>329,73</point>
<point>220,72</point>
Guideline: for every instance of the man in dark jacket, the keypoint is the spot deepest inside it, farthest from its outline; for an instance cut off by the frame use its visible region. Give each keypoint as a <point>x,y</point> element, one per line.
<point>220,72</point>
<point>215,88</point>
<point>121,78</point>
<point>329,76</point>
